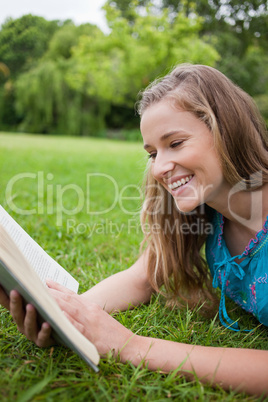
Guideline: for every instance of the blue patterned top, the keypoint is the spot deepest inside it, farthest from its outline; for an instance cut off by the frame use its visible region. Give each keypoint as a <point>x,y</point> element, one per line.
<point>245,282</point>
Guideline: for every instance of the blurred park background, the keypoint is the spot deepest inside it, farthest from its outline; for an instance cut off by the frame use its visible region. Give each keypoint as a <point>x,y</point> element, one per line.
<point>60,78</point>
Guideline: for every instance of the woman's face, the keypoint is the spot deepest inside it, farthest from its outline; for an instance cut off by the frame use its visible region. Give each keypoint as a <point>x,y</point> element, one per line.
<point>183,154</point>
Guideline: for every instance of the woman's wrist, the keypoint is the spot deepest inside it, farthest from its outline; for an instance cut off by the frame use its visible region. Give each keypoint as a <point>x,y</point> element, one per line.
<point>136,350</point>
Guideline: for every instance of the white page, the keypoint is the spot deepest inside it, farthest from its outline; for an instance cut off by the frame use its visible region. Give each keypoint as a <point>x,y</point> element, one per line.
<point>41,262</point>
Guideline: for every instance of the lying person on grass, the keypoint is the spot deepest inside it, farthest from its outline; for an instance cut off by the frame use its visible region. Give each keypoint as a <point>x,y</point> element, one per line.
<point>208,149</point>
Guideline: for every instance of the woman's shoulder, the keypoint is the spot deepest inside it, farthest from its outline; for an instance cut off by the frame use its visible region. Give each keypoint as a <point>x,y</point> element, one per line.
<point>217,250</point>
<point>258,242</point>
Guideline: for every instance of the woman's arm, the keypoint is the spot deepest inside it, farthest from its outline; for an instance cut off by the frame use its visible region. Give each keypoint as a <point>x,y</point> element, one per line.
<point>231,368</point>
<point>122,290</point>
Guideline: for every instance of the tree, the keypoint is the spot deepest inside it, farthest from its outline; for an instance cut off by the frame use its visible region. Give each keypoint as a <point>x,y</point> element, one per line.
<point>44,100</point>
<point>4,69</point>
<point>46,104</point>
<point>24,40</point>
<point>115,67</point>
<point>66,37</point>
<point>246,21</point>
<point>87,78</point>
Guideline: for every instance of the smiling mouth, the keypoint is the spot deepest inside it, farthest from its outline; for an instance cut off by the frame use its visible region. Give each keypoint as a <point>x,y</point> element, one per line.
<point>180,183</point>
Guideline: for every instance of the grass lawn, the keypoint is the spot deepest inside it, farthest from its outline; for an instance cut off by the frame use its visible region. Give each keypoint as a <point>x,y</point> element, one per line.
<point>84,197</point>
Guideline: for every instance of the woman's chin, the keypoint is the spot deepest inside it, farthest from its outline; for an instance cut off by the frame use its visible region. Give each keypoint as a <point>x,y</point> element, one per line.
<point>185,207</point>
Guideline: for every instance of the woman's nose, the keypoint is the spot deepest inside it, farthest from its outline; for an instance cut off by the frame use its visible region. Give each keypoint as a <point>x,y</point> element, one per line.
<point>161,167</point>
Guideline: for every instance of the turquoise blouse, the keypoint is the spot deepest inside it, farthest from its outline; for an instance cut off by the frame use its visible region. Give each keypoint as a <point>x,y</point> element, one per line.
<point>245,282</point>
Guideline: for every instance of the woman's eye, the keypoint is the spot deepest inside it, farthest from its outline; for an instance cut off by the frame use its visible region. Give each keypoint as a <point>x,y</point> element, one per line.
<point>176,144</point>
<point>152,156</point>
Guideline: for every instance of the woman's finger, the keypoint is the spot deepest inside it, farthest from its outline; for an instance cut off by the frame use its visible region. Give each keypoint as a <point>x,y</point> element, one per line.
<point>30,323</point>
<point>54,285</point>
<point>70,305</point>
<point>44,338</point>
<point>75,323</point>
<point>17,310</point>
<point>4,299</point>
<point>60,296</point>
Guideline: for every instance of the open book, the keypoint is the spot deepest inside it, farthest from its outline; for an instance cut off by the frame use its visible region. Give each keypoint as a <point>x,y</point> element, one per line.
<point>25,266</point>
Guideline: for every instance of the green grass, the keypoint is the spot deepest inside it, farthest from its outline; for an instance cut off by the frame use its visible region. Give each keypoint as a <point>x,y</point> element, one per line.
<point>101,245</point>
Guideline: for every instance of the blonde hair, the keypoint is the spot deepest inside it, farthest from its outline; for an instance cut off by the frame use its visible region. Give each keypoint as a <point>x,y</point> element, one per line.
<point>176,259</point>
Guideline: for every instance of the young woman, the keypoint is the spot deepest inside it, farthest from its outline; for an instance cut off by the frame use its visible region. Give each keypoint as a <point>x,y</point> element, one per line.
<point>207,183</point>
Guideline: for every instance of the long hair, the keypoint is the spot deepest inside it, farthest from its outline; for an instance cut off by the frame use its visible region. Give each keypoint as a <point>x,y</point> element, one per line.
<point>175,250</point>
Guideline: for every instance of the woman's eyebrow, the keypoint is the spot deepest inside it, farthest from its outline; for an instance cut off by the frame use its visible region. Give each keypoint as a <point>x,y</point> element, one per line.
<point>164,137</point>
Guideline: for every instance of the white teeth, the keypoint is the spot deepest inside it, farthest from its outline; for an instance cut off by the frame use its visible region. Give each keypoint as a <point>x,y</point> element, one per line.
<point>180,183</point>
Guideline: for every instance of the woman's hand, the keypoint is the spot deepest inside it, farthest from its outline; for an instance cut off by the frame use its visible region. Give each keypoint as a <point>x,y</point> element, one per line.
<point>26,319</point>
<point>91,320</point>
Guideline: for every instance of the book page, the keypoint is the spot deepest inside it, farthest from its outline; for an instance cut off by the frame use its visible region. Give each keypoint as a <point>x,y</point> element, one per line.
<point>40,261</point>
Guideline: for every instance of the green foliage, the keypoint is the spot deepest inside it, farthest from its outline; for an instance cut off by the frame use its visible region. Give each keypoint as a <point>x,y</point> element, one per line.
<point>117,66</point>
<point>24,40</point>
<point>262,103</point>
<point>64,39</point>
<point>248,70</point>
<point>40,94</point>
<point>8,117</point>
<point>45,101</point>
<point>4,70</point>
<point>114,68</point>
<point>47,104</point>
<point>77,80</point>
<point>237,30</point>
<point>85,76</point>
